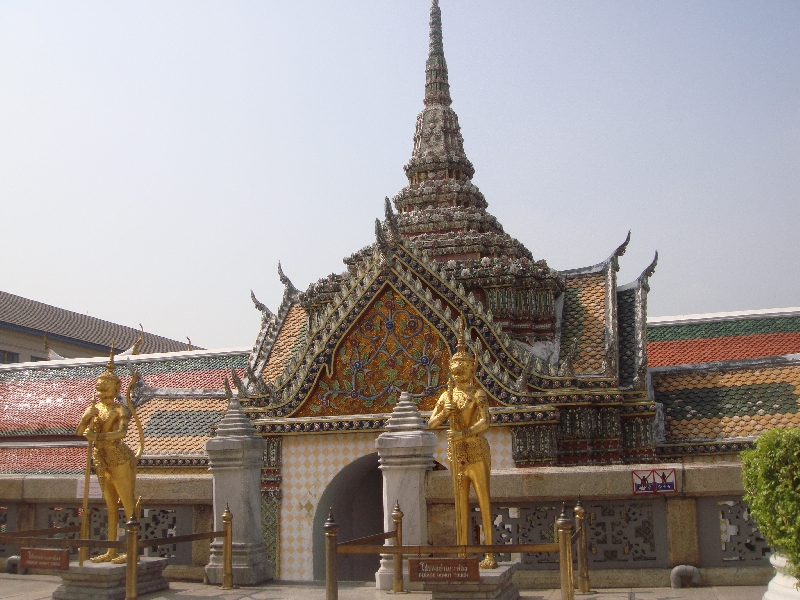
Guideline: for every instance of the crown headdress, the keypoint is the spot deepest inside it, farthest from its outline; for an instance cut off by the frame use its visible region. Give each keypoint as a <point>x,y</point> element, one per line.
<point>463,351</point>
<point>110,367</point>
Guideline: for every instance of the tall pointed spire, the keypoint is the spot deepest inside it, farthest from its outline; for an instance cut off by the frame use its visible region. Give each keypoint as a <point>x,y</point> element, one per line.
<point>442,212</point>
<point>437,88</point>
<point>438,154</point>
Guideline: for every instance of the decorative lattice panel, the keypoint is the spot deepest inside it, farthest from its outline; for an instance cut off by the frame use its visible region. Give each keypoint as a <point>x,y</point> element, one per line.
<point>8,519</point>
<point>620,534</point>
<point>156,522</point>
<point>728,535</point>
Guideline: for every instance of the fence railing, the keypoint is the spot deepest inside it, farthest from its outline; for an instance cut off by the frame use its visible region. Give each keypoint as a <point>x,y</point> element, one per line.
<point>33,539</point>
<point>563,530</point>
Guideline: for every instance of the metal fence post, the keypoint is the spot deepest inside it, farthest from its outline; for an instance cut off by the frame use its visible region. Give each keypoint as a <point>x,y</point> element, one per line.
<point>583,563</point>
<point>397,579</point>
<point>132,558</point>
<point>565,554</point>
<point>227,549</point>
<point>331,574</point>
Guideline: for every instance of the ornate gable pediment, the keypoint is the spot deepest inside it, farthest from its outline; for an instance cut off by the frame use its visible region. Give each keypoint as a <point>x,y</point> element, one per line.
<point>431,305</point>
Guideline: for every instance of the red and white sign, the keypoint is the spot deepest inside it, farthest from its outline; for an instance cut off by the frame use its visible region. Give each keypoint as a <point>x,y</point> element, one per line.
<point>45,558</point>
<point>654,481</point>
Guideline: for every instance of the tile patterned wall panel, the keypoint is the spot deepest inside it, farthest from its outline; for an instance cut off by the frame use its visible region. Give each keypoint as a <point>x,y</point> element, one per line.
<point>310,462</point>
<point>728,536</point>
<point>584,318</point>
<point>711,405</point>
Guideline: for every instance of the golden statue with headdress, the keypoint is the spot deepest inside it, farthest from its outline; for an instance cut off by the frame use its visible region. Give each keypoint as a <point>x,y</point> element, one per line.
<point>465,405</point>
<point>105,425</point>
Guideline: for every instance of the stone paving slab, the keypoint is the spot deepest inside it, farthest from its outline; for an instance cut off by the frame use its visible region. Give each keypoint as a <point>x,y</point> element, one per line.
<point>40,587</point>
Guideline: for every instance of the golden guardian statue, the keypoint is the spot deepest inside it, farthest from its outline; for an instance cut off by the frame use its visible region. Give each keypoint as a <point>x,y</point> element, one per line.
<point>464,404</point>
<point>105,425</point>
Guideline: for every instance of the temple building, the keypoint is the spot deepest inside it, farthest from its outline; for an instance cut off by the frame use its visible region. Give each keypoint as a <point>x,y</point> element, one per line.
<point>644,419</point>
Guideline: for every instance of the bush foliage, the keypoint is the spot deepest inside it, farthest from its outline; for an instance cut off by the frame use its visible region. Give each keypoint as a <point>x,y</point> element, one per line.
<point>771,475</point>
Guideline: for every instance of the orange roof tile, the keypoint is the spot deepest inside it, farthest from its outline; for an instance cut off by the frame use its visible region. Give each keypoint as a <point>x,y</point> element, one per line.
<point>284,346</point>
<point>691,351</point>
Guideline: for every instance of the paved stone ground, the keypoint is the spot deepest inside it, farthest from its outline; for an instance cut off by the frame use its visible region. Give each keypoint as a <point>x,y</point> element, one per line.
<point>40,587</point>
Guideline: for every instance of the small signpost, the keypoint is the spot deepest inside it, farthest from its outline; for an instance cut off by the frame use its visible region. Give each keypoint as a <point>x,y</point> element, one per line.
<point>45,558</point>
<point>443,569</point>
<point>653,481</point>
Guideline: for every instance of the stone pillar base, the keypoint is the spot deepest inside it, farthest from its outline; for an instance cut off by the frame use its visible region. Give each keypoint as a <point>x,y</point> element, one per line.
<point>494,583</point>
<point>106,581</point>
<point>384,577</point>
<point>250,564</point>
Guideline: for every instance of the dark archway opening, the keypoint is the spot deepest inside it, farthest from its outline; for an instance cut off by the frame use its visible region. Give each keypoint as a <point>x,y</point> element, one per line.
<point>356,497</point>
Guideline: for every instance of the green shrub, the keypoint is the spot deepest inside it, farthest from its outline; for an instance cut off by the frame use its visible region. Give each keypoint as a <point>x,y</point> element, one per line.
<point>771,476</point>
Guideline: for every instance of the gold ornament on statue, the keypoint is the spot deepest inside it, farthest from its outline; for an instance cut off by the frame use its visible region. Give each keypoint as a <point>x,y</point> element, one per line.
<point>465,405</point>
<point>105,425</point>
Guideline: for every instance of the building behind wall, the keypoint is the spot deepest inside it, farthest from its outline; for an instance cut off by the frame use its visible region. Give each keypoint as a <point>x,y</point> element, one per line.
<point>32,331</point>
<point>586,398</point>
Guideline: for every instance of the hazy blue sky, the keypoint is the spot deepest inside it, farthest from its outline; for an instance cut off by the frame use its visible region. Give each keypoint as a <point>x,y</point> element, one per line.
<point>157,159</point>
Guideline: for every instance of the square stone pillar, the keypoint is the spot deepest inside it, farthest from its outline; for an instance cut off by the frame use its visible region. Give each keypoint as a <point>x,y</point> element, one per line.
<point>406,452</point>
<point>235,457</point>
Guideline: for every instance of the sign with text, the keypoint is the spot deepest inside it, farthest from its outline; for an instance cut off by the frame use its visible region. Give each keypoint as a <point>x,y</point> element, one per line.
<point>45,558</point>
<point>94,489</point>
<point>443,569</point>
<point>653,481</point>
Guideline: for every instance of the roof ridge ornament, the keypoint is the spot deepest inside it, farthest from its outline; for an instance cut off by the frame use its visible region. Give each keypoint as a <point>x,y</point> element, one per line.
<point>286,281</point>
<point>620,251</point>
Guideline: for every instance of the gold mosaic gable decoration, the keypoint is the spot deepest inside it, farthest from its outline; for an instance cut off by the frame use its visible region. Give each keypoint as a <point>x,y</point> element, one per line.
<point>390,349</point>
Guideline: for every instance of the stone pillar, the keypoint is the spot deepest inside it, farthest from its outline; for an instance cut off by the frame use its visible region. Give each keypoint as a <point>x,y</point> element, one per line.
<point>235,457</point>
<point>406,453</point>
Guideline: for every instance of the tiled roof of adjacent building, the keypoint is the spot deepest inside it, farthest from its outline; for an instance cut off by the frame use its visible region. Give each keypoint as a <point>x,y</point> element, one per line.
<point>35,317</point>
<point>48,398</point>
<point>692,339</point>
<point>728,400</point>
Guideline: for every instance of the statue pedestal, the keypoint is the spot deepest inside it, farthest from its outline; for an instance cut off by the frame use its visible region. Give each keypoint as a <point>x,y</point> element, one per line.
<point>235,458</point>
<point>495,584</point>
<point>406,453</point>
<point>106,581</point>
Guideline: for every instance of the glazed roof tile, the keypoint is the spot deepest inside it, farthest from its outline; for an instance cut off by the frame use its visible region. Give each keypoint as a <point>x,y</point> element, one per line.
<point>715,404</point>
<point>289,338</point>
<point>49,400</point>
<point>584,318</point>
<point>723,328</point>
<point>176,426</point>
<point>701,350</point>
<point>43,461</point>
<point>626,326</point>
<point>19,312</point>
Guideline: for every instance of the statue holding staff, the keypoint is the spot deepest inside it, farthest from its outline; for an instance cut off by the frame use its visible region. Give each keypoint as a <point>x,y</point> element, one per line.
<point>105,425</point>
<point>464,404</point>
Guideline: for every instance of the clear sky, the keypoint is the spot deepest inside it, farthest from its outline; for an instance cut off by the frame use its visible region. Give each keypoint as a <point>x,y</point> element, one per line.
<point>157,159</point>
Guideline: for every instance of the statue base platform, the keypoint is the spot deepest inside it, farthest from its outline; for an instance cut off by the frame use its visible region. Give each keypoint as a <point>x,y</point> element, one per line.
<point>106,581</point>
<point>495,584</point>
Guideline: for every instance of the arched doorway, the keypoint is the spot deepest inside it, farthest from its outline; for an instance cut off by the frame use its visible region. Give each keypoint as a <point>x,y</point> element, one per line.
<point>356,497</point>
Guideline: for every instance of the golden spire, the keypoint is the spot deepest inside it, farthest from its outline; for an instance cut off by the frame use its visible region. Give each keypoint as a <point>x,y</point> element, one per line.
<point>463,351</point>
